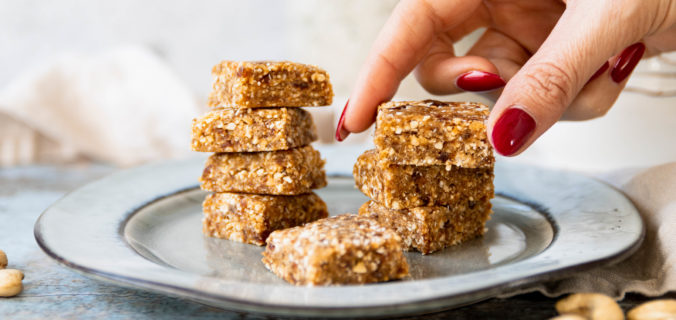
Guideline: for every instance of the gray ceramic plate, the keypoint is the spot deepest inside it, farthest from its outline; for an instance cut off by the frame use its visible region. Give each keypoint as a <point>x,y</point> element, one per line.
<point>141,228</point>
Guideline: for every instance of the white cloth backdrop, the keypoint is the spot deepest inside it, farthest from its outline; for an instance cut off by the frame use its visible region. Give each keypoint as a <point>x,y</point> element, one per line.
<point>123,107</point>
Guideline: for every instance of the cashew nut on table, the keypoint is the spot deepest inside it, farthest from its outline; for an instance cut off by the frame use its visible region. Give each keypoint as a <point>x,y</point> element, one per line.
<point>662,309</point>
<point>10,279</point>
<point>592,306</point>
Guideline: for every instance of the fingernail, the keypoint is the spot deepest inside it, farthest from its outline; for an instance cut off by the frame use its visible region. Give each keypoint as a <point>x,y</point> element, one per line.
<point>479,81</point>
<point>341,133</point>
<point>599,72</point>
<point>512,130</point>
<point>627,61</point>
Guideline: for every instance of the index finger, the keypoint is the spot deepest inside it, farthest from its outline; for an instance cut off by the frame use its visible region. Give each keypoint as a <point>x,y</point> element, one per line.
<point>401,44</point>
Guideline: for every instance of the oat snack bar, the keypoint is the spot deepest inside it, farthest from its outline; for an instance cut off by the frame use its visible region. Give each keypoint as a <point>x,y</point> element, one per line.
<point>429,229</point>
<point>286,172</point>
<point>249,130</point>
<point>345,249</point>
<point>432,132</point>
<point>250,218</point>
<point>404,186</point>
<point>251,84</point>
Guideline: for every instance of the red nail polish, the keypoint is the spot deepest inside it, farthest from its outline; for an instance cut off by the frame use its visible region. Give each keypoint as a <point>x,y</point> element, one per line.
<point>599,72</point>
<point>479,81</point>
<point>341,133</point>
<point>512,131</point>
<point>627,61</point>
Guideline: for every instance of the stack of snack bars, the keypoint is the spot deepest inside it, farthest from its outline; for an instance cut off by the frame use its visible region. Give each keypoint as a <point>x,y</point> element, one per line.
<point>430,177</point>
<point>263,169</point>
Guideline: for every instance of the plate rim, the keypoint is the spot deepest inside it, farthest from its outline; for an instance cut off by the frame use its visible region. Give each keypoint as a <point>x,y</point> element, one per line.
<point>424,305</point>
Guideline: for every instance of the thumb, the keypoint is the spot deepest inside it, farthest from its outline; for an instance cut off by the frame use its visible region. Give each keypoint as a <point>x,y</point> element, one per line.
<point>536,96</point>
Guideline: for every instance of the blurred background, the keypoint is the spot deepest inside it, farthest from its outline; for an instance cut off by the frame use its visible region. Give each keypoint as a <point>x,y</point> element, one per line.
<point>118,82</point>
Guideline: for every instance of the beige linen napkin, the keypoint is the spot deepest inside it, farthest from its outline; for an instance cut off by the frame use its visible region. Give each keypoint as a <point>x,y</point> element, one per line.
<point>123,107</point>
<point>652,269</point>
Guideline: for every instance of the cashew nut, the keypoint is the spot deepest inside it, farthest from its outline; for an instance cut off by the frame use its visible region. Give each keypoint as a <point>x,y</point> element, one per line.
<point>10,282</point>
<point>664,309</point>
<point>591,306</point>
<point>568,317</point>
<point>3,260</point>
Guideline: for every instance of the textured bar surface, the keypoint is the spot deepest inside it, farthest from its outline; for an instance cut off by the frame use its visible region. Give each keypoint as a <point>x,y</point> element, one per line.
<point>346,249</point>
<point>250,218</point>
<point>429,229</point>
<point>287,172</point>
<point>250,84</point>
<point>249,130</point>
<point>432,132</point>
<point>405,186</point>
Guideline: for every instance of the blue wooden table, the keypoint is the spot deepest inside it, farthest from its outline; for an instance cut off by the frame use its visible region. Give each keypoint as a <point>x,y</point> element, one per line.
<point>55,292</point>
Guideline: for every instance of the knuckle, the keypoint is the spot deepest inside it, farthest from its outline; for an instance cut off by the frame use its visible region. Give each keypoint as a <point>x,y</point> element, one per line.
<point>549,83</point>
<point>643,17</point>
<point>662,17</point>
<point>431,14</point>
<point>387,62</point>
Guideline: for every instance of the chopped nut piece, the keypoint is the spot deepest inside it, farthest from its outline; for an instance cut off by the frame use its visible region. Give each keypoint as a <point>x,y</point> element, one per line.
<point>406,186</point>
<point>433,133</point>
<point>429,229</point>
<point>269,84</point>
<point>249,130</point>
<point>359,268</point>
<point>250,218</point>
<point>288,172</point>
<point>345,249</point>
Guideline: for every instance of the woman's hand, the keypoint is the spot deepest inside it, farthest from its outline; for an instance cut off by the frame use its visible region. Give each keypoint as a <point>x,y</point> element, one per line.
<point>542,60</point>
